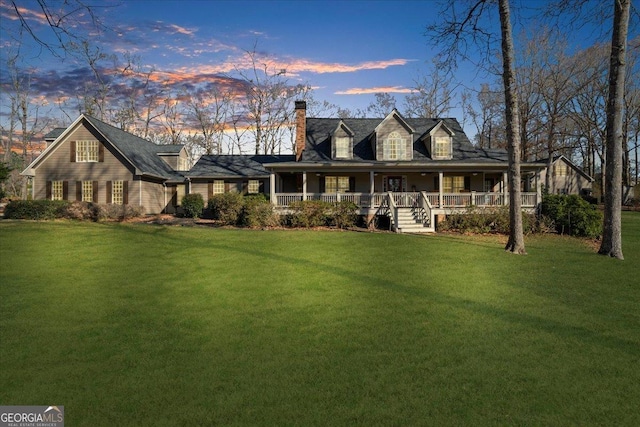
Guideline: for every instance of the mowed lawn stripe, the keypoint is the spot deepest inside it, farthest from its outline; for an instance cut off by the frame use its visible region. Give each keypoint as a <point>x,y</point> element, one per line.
<point>138,325</point>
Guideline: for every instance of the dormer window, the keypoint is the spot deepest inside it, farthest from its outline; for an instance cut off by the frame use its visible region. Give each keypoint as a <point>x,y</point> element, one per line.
<point>440,142</point>
<point>342,147</point>
<point>442,147</point>
<point>395,147</point>
<point>342,142</point>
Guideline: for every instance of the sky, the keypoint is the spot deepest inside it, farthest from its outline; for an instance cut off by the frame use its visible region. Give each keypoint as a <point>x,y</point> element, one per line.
<point>345,50</point>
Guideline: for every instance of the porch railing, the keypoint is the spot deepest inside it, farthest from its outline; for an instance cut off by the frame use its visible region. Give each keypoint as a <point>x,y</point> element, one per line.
<point>410,199</point>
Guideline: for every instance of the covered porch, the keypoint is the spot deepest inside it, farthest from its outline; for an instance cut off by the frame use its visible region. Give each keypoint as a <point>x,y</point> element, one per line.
<point>373,189</point>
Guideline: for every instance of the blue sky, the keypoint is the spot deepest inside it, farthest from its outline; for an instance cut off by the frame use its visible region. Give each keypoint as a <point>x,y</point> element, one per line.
<point>346,50</point>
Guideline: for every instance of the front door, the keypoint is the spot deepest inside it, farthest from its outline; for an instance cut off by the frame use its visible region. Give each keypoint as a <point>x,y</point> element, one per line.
<point>395,183</point>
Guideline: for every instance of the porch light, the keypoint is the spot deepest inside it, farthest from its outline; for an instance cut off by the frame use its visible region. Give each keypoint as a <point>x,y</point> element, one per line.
<point>422,173</point>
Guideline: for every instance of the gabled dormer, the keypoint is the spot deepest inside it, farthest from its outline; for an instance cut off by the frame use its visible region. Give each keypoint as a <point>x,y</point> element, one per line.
<point>392,139</point>
<point>439,141</point>
<point>342,142</point>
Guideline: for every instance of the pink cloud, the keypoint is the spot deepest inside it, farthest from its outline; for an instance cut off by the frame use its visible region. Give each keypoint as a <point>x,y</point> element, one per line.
<point>370,90</point>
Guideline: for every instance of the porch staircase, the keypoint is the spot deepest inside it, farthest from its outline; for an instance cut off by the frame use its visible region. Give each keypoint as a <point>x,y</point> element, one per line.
<point>410,222</point>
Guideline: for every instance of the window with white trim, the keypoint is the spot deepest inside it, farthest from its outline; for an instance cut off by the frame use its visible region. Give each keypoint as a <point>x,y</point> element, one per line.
<point>218,187</point>
<point>57,190</point>
<point>183,164</point>
<point>395,147</point>
<point>87,191</point>
<point>453,184</point>
<point>442,147</point>
<point>336,184</point>
<point>342,147</point>
<point>117,192</point>
<point>253,187</point>
<point>87,151</point>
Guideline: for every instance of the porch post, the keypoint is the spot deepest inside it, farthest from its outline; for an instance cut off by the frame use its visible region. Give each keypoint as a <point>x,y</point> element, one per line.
<point>538,188</point>
<point>372,183</point>
<point>304,185</point>
<point>505,192</point>
<point>272,188</point>
<point>440,187</point>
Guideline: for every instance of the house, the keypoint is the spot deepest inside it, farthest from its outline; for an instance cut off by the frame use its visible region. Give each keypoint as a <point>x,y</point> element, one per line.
<point>414,171</point>
<point>566,177</point>
<point>96,162</point>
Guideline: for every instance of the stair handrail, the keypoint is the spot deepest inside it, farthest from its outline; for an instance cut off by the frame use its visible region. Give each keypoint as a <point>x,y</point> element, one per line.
<point>425,208</point>
<point>393,207</point>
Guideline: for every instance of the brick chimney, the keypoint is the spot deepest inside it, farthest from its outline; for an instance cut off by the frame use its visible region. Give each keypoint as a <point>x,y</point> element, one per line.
<point>301,128</point>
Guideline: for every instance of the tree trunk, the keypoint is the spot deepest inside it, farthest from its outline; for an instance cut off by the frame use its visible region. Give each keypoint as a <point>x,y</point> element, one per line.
<point>516,236</point>
<point>612,229</point>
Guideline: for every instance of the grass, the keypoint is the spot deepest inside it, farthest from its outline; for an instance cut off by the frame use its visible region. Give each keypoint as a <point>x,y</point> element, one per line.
<point>148,325</point>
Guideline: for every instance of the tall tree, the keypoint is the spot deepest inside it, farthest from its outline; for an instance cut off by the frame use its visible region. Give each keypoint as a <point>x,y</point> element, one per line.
<point>612,227</point>
<point>458,32</point>
<point>515,243</point>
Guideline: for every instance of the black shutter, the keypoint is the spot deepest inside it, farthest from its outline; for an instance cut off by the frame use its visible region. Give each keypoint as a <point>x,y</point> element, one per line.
<point>100,152</point>
<point>95,191</point>
<point>72,151</point>
<point>48,190</point>
<point>352,184</point>
<point>79,191</point>
<point>322,184</point>
<point>109,189</point>
<point>245,187</point>
<point>65,190</point>
<point>436,182</point>
<point>209,190</point>
<point>467,183</point>
<point>125,193</point>
<point>261,187</point>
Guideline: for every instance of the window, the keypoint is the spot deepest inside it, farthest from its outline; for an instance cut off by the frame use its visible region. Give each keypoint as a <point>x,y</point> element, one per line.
<point>253,187</point>
<point>87,151</point>
<point>57,190</point>
<point>183,164</point>
<point>560,169</point>
<point>442,147</point>
<point>336,184</point>
<point>395,147</point>
<point>453,184</point>
<point>87,191</point>
<point>218,187</point>
<point>342,147</point>
<point>117,193</point>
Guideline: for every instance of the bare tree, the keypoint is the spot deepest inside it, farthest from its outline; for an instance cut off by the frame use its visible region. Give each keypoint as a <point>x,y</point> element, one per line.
<point>612,230</point>
<point>208,111</point>
<point>383,105</point>
<point>431,95</point>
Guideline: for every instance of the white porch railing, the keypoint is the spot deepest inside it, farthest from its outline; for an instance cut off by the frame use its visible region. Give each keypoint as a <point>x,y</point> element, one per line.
<point>410,199</point>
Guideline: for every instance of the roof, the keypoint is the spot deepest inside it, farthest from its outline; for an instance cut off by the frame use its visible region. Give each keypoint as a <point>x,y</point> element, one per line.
<point>141,153</point>
<point>171,149</point>
<point>225,166</point>
<point>318,142</point>
<point>53,134</point>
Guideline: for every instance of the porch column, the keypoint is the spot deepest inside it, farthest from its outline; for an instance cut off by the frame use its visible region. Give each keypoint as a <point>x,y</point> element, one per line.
<point>538,188</point>
<point>304,185</point>
<point>272,188</point>
<point>505,192</point>
<point>372,182</point>
<point>440,188</point>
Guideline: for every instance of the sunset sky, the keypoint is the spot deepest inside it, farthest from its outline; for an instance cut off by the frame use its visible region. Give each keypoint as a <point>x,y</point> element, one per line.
<point>346,50</point>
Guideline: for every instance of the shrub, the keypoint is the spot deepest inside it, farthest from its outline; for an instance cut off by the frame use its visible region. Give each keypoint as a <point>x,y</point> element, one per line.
<point>309,213</point>
<point>489,220</point>
<point>226,207</point>
<point>572,215</point>
<point>35,209</point>
<point>115,212</point>
<point>193,204</point>
<point>80,211</point>
<point>344,214</point>
<point>258,212</point>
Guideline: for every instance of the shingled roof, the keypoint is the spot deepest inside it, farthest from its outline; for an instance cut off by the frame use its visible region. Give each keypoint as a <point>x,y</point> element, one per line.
<point>318,141</point>
<point>141,153</point>
<point>231,166</point>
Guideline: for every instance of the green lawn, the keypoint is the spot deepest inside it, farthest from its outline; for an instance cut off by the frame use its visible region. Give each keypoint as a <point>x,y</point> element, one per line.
<point>149,325</point>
